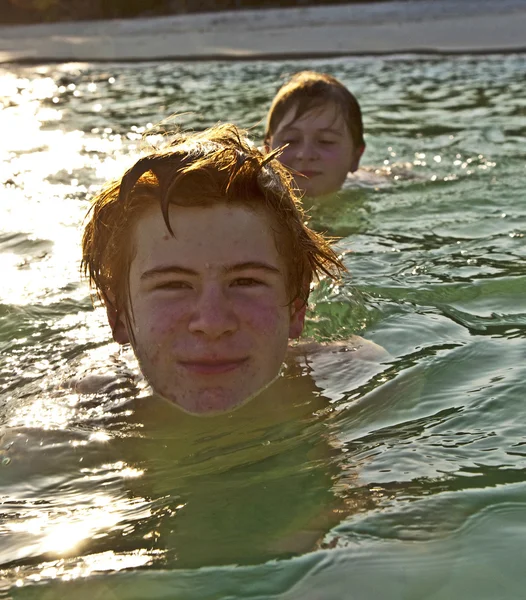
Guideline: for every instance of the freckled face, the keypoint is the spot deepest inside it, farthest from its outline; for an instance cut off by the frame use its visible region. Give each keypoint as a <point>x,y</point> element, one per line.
<point>320,149</point>
<point>210,319</point>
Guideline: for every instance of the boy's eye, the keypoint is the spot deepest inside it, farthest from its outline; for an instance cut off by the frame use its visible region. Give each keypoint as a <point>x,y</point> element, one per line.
<point>246,282</point>
<point>173,285</point>
<point>327,142</point>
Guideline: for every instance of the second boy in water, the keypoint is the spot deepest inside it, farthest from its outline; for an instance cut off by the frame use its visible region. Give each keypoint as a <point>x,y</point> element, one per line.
<point>318,122</point>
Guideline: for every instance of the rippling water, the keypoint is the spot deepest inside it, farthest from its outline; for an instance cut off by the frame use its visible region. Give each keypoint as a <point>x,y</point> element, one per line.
<point>108,496</point>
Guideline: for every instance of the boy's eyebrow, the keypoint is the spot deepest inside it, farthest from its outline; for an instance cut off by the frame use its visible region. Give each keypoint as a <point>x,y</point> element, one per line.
<point>258,265</point>
<point>168,270</point>
<point>324,130</point>
<point>179,270</point>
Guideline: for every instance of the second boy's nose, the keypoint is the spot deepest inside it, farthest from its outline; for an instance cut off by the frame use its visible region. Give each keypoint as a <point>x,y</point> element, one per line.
<point>305,151</point>
<point>213,314</point>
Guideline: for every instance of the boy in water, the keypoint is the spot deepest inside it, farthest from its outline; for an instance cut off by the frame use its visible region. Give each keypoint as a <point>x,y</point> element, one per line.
<point>319,122</point>
<point>202,258</point>
<point>203,261</point>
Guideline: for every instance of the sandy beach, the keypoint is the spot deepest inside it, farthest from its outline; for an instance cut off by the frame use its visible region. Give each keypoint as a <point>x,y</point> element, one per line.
<point>411,26</point>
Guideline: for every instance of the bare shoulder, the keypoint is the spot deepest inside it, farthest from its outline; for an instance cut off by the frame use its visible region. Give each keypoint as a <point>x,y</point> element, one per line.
<point>337,368</point>
<point>91,383</point>
<point>383,176</point>
<point>104,372</point>
<point>355,347</point>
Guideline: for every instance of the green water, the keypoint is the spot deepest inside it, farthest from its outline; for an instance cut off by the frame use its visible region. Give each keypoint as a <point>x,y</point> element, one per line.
<point>115,495</point>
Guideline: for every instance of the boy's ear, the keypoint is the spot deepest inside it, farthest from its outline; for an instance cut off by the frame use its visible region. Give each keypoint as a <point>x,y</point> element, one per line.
<point>297,318</point>
<point>357,155</point>
<point>117,324</point>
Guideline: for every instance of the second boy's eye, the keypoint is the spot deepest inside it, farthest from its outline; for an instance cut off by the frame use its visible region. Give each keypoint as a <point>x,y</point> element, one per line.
<point>327,142</point>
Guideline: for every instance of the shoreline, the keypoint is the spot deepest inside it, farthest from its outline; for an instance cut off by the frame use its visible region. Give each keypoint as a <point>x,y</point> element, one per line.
<point>415,53</point>
<point>414,27</point>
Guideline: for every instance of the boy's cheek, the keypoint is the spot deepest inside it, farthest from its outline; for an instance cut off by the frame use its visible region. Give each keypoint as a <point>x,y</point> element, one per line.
<point>263,320</point>
<point>286,157</point>
<point>333,153</point>
<point>157,318</point>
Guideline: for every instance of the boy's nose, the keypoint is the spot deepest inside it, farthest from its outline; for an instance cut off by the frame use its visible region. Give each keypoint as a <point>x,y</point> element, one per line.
<point>213,315</point>
<point>305,151</point>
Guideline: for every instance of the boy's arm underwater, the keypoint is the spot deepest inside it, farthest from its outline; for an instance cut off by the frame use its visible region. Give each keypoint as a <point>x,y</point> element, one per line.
<point>359,347</point>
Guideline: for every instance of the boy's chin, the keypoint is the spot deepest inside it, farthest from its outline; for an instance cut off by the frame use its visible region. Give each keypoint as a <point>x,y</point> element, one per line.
<point>210,402</point>
<point>313,191</point>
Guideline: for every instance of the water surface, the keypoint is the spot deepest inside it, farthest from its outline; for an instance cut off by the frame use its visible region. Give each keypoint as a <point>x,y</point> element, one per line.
<point>110,496</point>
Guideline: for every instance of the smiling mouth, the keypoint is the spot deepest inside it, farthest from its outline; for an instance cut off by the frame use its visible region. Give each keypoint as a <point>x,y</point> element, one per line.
<point>212,366</point>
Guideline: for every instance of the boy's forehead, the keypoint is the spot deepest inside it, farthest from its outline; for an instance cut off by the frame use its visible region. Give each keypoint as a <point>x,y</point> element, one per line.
<point>221,234</point>
<point>322,116</point>
<point>188,220</point>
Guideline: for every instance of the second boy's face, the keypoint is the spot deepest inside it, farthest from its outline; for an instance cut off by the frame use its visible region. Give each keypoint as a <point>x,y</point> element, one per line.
<point>209,314</point>
<point>319,148</point>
